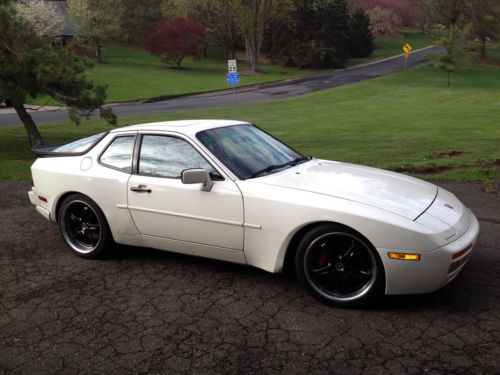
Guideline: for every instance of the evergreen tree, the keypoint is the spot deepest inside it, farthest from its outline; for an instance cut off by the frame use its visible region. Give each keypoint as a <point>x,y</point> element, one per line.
<point>323,33</point>
<point>362,41</point>
<point>335,31</point>
<point>450,39</point>
<point>31,68</point>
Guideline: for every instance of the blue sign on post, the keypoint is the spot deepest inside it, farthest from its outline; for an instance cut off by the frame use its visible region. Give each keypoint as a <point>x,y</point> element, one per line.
<point>233,79</point>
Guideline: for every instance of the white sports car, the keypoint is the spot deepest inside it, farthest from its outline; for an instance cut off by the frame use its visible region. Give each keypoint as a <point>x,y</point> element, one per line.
<point>228,190</point>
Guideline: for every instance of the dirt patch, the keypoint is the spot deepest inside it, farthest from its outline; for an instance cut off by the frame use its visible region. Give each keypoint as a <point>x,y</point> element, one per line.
<point>446,154</point>
<point>425,169</point>
<point>436,169</point>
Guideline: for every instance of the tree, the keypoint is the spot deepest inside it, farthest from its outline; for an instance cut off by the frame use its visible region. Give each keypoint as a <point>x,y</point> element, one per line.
<point>220,20</point>
<point>484,19</point>
<point>449,39</point>
<point>138,18</point>
<point>445,12</point>
<point>251,17</point>
<point>407,13</point>
<point>42,16</point>
<point>323,33</point>
<point>281,36</point>
<point>176,38</point>
<point>362,42</point>
<point>335,31</point>
<point>97,20</point>
<point>175,8</point>
<point>481,16</point>
<point>31,68</point>
<point>384,21</point>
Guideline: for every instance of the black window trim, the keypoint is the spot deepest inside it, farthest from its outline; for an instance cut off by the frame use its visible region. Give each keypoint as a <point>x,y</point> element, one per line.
<point>137,155</point>
<point>134,135</point>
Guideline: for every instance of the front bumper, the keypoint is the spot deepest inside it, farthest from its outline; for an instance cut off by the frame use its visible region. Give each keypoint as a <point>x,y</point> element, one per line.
<point>434,270</point>
<point>39,205</point>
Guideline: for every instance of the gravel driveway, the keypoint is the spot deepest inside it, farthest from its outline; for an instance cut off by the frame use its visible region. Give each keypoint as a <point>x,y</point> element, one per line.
<point>144,311</point>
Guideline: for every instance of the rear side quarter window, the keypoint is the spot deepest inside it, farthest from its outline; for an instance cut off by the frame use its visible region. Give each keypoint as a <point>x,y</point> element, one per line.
<point>118,154</point>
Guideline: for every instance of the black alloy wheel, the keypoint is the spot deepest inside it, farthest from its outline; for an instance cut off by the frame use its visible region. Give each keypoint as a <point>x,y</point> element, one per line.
<point>338,266</point>
<point>83,226</point>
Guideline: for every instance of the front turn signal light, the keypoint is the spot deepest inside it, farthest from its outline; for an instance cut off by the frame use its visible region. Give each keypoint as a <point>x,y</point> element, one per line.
<point>404,256</point>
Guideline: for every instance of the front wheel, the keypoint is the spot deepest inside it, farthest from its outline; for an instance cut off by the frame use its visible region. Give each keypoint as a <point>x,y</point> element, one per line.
<point>338,266</point>
<point>83,226</point>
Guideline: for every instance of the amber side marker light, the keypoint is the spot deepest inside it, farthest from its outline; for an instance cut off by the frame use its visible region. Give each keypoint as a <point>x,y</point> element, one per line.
<point>404,256</point>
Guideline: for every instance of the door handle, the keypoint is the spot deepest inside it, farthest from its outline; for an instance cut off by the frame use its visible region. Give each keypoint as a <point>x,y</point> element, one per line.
<point>140,189</point>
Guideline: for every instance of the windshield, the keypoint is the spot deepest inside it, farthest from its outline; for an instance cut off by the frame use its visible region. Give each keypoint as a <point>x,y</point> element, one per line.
<point>248,151</point>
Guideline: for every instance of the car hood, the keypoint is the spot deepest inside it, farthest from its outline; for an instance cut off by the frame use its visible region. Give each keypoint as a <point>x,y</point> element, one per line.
<point>400,194</point>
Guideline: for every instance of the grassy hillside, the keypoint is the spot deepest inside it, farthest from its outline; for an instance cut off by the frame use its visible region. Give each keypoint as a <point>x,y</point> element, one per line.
<point>132,74</point>
<point>405,121</point>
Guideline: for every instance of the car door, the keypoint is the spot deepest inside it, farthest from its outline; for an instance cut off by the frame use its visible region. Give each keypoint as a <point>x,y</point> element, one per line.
<point>162,206</point>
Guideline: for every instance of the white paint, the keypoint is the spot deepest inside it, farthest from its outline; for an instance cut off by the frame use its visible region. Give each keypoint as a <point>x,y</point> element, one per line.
<point>253,221</point>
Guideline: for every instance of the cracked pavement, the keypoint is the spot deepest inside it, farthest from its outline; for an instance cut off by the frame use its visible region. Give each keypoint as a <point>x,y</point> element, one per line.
<point>145,311</point>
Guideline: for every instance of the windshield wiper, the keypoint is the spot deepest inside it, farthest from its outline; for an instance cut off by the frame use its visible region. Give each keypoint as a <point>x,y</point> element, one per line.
<point>272,167</point>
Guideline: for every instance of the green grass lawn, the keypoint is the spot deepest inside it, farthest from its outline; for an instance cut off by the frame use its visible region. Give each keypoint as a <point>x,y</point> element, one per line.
<point>402,119</point>
<point>132,74</point>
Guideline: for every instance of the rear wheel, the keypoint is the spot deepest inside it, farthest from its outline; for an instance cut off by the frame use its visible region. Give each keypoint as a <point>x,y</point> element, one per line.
<point>83,226</point>
<point>338,266</point>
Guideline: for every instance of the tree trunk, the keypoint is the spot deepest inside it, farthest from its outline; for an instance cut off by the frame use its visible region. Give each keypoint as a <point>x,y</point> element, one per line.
<point>178,60</point>
<point>250,49</point>
<point>98,51</point>
<point>34,135</point>
<point>482,48</point>
<point>254,31</point>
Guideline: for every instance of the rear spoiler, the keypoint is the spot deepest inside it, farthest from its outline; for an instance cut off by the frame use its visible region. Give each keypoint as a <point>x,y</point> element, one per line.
<point>46,151</point>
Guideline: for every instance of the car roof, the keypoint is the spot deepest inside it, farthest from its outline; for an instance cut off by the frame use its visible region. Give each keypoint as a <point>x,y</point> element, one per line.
<point>182,126</point>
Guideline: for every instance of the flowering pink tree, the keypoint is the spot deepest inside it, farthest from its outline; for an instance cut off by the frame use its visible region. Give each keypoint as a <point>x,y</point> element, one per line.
<point>388,15</point>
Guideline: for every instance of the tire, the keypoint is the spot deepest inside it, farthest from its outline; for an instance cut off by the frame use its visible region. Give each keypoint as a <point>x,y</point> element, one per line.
<point>339,267</point>
<point>83,226</point>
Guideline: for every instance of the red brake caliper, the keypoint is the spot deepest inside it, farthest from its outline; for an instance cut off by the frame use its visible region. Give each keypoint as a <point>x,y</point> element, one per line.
<point>322,259</point>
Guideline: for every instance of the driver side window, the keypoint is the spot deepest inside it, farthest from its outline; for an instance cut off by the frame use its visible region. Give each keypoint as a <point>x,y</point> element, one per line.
<point>165,156</point>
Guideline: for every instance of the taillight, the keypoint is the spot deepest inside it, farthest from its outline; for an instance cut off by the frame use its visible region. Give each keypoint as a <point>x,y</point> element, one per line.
<point>461,252</point>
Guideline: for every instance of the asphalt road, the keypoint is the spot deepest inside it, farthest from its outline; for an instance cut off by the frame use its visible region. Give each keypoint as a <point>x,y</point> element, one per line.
<point>144,311</point>
<point>261,93</point>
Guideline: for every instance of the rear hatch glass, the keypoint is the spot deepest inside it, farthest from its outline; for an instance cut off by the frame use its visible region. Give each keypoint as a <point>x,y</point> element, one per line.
<point>78,147</point>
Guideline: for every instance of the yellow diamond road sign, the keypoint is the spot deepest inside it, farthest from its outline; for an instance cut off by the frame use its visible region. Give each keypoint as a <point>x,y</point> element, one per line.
<point>406,49</point>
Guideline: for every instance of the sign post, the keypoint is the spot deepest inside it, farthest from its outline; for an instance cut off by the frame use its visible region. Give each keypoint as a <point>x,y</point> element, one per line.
<point>406,50</point>
<point>232,76</point>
